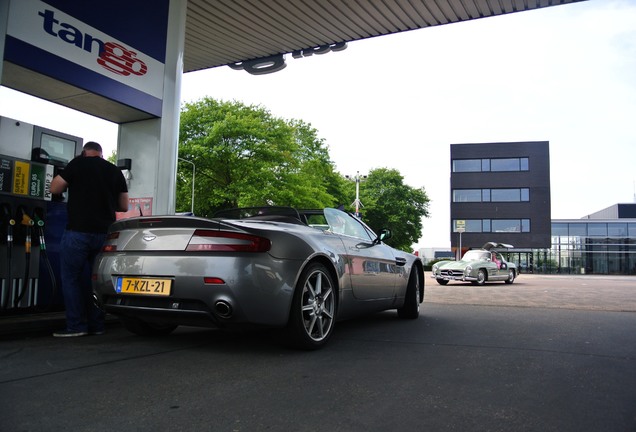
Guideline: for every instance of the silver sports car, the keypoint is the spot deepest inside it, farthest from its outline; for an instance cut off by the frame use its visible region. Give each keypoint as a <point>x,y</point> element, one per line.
<point>301,270</point>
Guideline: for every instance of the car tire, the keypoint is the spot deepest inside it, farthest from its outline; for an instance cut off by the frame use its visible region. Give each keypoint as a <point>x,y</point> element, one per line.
<point>313,312</point>
<point>481,277</point>
<point>511,277</point>
<point>143,328</point>
<point>411,307</point>
<point>442,281</point>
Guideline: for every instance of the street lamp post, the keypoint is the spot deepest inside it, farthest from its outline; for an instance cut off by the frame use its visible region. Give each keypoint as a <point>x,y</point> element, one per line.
<point>193,173</point>
<point>357,202</point>
<point>460,231</point>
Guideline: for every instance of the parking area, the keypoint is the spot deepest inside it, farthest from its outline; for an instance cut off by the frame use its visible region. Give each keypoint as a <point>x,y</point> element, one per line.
<point>544,354</point>
<point>591,292</point>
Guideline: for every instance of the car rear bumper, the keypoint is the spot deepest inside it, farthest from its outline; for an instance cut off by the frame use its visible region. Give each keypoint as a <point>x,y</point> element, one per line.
<point>255,290</point>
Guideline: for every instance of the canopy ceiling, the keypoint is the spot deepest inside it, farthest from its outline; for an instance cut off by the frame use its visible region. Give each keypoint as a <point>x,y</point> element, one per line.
<point>226,32</point>
<point>219,32</point>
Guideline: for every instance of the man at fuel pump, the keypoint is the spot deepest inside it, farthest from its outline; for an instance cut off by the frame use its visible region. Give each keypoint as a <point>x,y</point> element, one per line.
<point>96,190</point>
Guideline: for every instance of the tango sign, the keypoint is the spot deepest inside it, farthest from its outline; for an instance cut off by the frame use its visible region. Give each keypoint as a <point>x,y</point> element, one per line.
<point>112,56</point>
<point>275,63</point>
<point>61,42</point>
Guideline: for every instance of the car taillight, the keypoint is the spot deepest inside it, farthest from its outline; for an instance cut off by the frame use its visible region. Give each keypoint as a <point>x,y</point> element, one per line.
<point>223,241</point>
<point>108,246</point>
<point>209,280</point>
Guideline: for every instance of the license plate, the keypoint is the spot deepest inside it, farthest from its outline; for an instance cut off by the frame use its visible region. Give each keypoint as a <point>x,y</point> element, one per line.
<point>144,286</point>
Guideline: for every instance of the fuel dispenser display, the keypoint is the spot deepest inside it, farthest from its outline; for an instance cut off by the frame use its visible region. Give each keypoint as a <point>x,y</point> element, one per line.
<point>32,219</point>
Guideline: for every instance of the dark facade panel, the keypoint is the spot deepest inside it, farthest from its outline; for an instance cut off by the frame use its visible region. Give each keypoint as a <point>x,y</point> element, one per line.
<point>627,211</point>
<point>493,221</point>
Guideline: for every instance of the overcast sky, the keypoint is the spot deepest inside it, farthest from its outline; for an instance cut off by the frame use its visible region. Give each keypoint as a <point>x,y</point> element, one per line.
<point>564,74</point>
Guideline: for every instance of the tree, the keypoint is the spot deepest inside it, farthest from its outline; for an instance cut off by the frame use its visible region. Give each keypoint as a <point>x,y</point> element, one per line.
<point>245,157</point>
<point>389,203</point>
<point>113,157</point>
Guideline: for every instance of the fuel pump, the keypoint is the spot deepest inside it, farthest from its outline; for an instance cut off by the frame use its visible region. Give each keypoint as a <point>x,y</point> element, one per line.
<point>32,219</point>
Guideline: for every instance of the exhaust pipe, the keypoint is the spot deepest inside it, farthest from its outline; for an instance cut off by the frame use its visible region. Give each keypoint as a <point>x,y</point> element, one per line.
<point>223,309</point>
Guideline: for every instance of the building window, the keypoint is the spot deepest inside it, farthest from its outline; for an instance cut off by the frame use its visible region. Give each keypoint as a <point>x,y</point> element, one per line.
<point>597,229</point>
<point>488,165</point>
<point>467,195</point>
<point>577,229</point>
<point>559,229</point>
<point>617,230</point>
<point>485,225</point>
<point>495,225</point>
<point>467,165</point>
<point>525,194</point>
<point>470,225</point>
<point>509,195</point>
<point>525,225</point>
<point>510,225</point>
<point>491,195</point>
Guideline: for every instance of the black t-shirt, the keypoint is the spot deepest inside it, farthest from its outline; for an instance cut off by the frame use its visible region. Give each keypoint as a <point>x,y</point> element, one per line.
<point>94,185</point>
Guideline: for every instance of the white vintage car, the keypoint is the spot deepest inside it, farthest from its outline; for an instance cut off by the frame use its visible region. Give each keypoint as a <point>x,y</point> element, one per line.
<point>477,266</point>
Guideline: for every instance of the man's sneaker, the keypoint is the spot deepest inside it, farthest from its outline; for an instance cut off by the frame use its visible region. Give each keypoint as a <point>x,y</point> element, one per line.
<point>69,333</point>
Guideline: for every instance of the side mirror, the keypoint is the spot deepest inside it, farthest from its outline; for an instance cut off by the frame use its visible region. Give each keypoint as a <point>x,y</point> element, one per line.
<point>385,234</point>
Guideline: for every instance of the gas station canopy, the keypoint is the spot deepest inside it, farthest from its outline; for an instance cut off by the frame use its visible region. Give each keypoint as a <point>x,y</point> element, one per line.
<point>252,35</point>
<point>219,32</point>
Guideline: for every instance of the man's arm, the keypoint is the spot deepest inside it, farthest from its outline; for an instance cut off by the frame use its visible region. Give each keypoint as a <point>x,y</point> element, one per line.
<point>123,202</point>
<point>58,185</point>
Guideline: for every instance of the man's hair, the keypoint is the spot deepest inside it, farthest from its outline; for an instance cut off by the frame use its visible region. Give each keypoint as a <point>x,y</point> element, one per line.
<point>92,145</point>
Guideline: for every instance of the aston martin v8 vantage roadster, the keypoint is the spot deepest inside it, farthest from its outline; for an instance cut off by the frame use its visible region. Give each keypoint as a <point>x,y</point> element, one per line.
<point>300,270</point>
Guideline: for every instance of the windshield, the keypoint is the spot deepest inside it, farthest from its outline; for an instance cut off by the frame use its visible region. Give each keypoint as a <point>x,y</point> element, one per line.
<point>345,224</point>
<point>475,256</point>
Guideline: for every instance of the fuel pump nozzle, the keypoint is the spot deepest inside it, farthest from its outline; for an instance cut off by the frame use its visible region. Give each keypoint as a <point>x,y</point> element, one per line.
<point>39,223</point>
<point>28,222</point>
<point>7,218</point>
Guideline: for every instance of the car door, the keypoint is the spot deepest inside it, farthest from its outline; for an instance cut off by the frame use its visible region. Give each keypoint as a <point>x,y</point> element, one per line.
<point>488,261</point>
<point>373,266</point>
<point>502,268</point>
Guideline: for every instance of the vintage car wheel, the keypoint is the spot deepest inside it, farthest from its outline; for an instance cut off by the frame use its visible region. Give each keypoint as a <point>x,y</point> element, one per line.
<point>481,277</point>
<point>442,281</point>
<point>143,328</point>
<point>511,277</point>
<point>411,307</point>
<point>313,312</point>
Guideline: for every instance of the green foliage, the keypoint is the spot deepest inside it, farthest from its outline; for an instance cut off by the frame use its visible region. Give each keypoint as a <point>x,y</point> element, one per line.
<point>113,157</point>
<point>389,203</point>
<point>244,157</point>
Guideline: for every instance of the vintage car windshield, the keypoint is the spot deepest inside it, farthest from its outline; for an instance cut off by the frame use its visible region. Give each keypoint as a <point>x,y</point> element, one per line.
<point>476,256</point>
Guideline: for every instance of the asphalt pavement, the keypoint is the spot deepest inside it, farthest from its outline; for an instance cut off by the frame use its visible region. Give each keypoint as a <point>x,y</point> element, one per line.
<point>548,353</point>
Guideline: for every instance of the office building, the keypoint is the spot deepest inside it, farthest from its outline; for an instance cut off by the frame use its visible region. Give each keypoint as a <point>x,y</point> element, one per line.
<point>500,192</point>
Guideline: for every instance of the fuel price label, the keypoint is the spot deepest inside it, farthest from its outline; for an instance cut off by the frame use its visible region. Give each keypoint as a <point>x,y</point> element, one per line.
<point>21,178</point>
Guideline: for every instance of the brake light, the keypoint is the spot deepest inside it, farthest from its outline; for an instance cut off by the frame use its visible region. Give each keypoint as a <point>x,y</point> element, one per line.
<point>110,247</point>
<point>209,280</point>
<point>224,241</point>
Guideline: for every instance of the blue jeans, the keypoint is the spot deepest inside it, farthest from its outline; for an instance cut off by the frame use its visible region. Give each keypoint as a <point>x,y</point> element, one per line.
<point>77,255</point>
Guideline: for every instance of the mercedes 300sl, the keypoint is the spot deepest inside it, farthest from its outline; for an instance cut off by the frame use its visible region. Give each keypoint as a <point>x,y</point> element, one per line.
<point>477,266</point>
<point>300,270</point>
